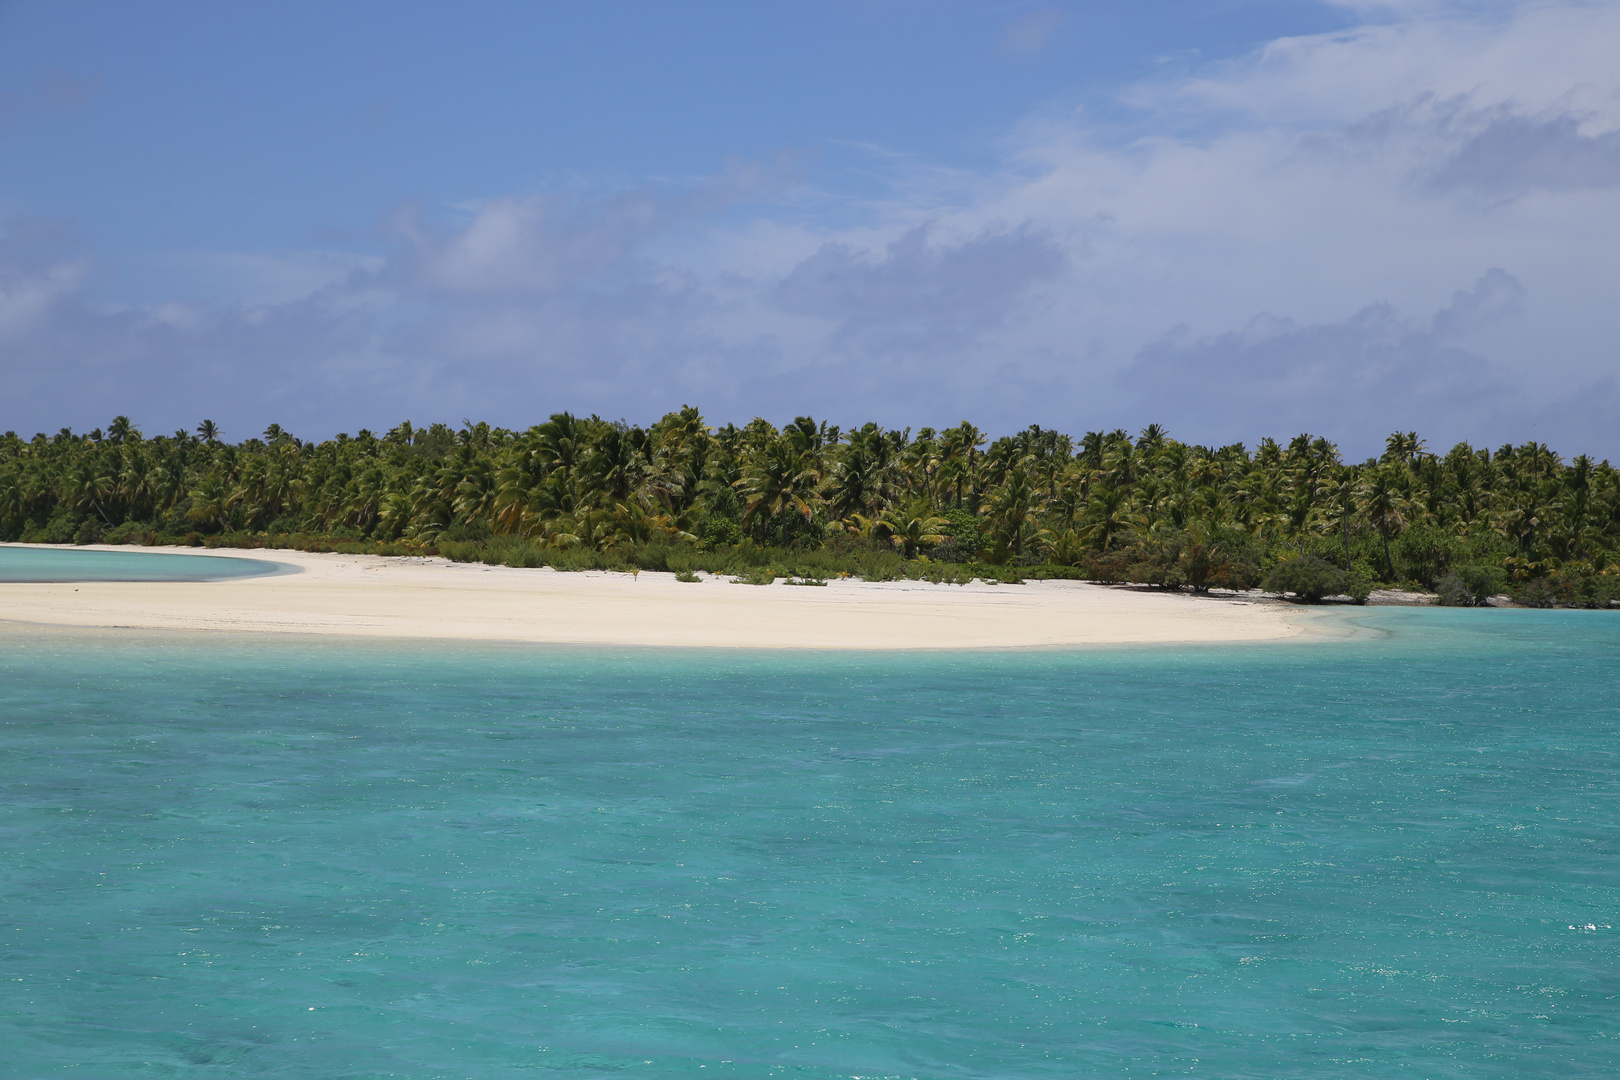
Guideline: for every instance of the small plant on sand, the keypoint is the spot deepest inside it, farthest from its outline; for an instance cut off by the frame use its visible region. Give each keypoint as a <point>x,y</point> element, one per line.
<point>687,576</point>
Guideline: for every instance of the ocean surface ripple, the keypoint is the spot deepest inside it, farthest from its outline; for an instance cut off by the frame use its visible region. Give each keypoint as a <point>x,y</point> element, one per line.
<point>1388,857</point>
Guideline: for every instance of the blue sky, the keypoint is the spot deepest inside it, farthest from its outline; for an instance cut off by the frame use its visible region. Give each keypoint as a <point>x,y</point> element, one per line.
<point>1237,219</point>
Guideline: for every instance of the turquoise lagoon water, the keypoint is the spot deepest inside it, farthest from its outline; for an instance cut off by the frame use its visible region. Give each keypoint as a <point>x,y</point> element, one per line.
<point>19,564</point>
<point>1390,857</point>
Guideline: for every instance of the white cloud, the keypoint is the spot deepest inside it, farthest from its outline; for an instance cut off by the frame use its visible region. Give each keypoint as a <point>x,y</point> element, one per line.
<point>24,300</point>
<point>531,243</point>
<point>249,278</point>
<point>40,270</point>
<point>1530,56</point>
<point>1354,184</point>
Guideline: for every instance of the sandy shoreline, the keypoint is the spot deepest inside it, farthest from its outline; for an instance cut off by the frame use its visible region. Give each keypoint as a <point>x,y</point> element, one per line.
<point>378,596</point>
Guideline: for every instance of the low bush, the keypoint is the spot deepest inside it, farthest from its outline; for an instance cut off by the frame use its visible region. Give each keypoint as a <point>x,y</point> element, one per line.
<point>994,575</point>
<point>129,532</point>
<point>1358,586</point>
<point>1536,593</point>
<point>1307,578</point>
<point>459,550</point>
<point>1469,586</point>
<point>945,574</point>
<point>1576,587</point>
<point>1056,573</point>
<point>1592,590</point>
<point>523,556</point>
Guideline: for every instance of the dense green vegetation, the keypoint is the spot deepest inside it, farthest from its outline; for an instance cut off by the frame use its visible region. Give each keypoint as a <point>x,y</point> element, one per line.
<point>809,501</point>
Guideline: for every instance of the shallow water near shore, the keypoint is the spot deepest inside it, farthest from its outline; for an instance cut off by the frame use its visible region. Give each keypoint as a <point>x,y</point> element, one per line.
<point>49,564</point>
<point>1388,856</point>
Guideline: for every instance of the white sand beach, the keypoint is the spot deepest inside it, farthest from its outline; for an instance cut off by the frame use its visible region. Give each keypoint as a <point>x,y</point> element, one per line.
<point>376,596</point>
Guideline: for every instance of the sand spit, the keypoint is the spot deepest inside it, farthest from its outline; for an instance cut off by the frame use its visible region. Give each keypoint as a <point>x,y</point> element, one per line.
<point>378,596</point>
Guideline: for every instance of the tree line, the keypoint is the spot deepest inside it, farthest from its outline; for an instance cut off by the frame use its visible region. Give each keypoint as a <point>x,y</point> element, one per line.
<point>810,499</point>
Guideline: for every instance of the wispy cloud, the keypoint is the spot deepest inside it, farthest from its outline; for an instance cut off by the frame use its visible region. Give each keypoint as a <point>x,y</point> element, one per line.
<point>51,92</point>
<point>1511,154</point>
<point>65,91</point>
<point>918,293</point>
<point>1029,34</point>
<point>1373,372</point>
<point>1321,219</point>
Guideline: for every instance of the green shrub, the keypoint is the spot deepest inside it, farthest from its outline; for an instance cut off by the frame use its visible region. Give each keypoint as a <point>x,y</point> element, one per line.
<point>880,566</point>
<point>525,556</point>
<point>462,531</point>
<point>994,575</point>
<point>1469,586</point>
<point>459,550</point>
<point>1200,557</point>
<point>963,539</point>
<point>686,576</point>
<point>945,574</point>
<point>652,556</point>
<point>1536,593</point>
<point>574,559</point>
<point>1056,573</point>
<point>1358,586</point>
<point>1574,586</point>
<point>1425,554</point>
<point>1593,590</point>
<point>715,531</point>
<point>1306,577</point>
<point>130,532</point>
<point>1109,568</point>
<point>1231,560</point>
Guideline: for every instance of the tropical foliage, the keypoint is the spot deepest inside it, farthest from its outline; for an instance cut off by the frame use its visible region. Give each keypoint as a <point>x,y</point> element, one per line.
<point>810,500</point>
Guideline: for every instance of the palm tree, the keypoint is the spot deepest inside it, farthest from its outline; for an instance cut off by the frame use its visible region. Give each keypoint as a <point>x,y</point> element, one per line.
<point>1383,505</point>
<point>1524,519</point>
<point>1107,515</point>
<point>634,523</point>
<point>1013,507</point>
<point>968,439</point>
<point>89,486</point>
<point>210,502</point>
<point>560,444</point>
<point>913,524</point>
<point>858,480</point>
<point>1120,464</point>
<point>778,483</point>
<point>588,481</point>
<point>1341,493</point>
<point>138,484</point>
